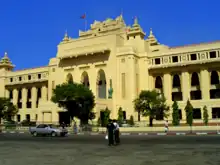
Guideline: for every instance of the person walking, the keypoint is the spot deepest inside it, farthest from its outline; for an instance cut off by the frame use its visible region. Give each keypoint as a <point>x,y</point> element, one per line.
<point>75,128</point>
<point>110,131</point>
<point>166,126</point>
<point>116,132</point>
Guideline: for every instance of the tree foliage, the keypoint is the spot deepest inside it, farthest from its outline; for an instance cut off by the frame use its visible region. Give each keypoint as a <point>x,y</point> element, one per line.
<point>151,103</point>
<point>205,115</point>
<point>120,116</point>
<point>175,114</point>
<point>131,120</point>
<point>189,113</point>
<point>77,99</point>
<point>7,109</point>
<point>105,117</point>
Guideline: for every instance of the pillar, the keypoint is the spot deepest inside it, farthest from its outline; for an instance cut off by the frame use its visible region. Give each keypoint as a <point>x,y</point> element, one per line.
<point>33,97</point>
<point>15,96</point>
<point>151,83</point>
<point>24,98</point>
<point>185,85</point>
<point>167,86</point>
<point>205,84</point>
<point>7,93</point>
<point>44,93</point>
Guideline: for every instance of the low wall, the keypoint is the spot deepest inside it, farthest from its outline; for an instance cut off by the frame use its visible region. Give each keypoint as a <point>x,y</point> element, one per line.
<point>158,129</point>
<point>145,129</point>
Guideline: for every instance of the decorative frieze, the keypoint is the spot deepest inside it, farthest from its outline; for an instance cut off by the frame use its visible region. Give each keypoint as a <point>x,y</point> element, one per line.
<point>184,59</point>
<point>21,79</point>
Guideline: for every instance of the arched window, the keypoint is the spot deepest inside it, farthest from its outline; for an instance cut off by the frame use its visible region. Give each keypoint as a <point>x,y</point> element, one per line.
<point>85,79</point>
<point>214,78</point>
<point>195,79</point>
<point>158,82</point>
<point>101,84</point>
<point>176,81</point>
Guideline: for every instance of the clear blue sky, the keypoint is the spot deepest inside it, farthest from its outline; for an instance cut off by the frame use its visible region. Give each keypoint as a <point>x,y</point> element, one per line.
<point>31,29</point>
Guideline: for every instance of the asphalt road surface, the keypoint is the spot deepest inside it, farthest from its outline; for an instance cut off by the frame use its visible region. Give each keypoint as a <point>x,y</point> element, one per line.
<point>22,149</point>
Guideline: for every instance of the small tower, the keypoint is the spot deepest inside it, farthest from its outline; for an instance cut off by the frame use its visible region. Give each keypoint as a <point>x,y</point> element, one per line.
<point>136,30</point>
<point>5,63</point>
<point>152,39</point>
<point>5,67</point>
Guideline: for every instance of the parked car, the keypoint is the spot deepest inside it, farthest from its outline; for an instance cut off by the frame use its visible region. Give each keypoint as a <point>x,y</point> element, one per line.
<point>47,129</point>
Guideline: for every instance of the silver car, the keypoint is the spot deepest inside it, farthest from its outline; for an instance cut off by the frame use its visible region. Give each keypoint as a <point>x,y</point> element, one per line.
<point>47,129</point>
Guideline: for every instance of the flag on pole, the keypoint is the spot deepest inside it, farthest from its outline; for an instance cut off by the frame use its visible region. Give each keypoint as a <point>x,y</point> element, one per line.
<point>83,16</point>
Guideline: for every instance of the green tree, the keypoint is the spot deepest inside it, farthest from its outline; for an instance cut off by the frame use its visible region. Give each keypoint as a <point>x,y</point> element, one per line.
<point>105,117</point>
<point>151,103</point>
<point>120,116</point>
<point>7,109</point>
<point>205,115</point>
<point>189,114</point>
<point>131,120</point>
<point>77,99</point>
<point>175,114</point>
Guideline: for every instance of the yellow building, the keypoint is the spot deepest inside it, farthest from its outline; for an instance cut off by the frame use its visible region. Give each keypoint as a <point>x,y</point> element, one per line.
<point>116,62</point>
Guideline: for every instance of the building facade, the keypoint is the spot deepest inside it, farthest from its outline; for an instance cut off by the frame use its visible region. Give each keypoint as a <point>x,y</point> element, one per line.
<point>116,62</point>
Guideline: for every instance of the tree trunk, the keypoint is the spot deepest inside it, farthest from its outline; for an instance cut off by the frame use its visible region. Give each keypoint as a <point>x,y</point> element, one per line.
<point>151,122</point>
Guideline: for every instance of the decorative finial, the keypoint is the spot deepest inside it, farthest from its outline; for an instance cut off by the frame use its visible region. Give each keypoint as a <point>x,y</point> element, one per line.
<point>66,38</point>
<point>135,20</point>
<point>6,54</point>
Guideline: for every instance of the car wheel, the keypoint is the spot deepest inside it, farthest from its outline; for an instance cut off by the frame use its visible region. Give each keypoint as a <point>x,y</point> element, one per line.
<point>53,134</point>
<point>34,134</point>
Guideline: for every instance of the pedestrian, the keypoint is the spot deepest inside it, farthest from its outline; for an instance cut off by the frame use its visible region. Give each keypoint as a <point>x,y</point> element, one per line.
<point>110,131</point>
<point>166,126</point>
<point>75,128</point>
<point>63,125</point>
<point>116,132</point>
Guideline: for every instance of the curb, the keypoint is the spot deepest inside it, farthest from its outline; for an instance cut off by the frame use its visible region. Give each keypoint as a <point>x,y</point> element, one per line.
<point>128,134</point>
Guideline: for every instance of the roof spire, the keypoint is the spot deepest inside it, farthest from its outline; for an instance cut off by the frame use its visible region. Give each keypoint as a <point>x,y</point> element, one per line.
<point>152,39</point>
<point>66,38</point>
<point>6,62</point>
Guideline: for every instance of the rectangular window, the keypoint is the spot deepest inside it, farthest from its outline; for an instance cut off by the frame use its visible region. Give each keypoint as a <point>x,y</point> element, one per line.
<point>157,61</point>
<point>212,54</point>
<point>175,59</point>
<point>193,57</point>
<point>197,113</point>
<point>123,85</point>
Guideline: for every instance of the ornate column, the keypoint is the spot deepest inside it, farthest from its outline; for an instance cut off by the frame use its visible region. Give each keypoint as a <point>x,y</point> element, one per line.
<point>205,84</point>
<point>44,93</point>
<point>167,86</point>
<point>185,85</point>
<point>15,96</point>
<point>24,98</point>
<point>33,97</point>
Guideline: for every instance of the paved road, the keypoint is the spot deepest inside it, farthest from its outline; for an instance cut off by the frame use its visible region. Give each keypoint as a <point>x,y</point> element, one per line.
<point>21,149</point>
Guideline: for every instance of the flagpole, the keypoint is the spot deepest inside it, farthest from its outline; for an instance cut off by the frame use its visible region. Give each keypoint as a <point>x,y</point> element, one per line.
<point>85,21</point>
